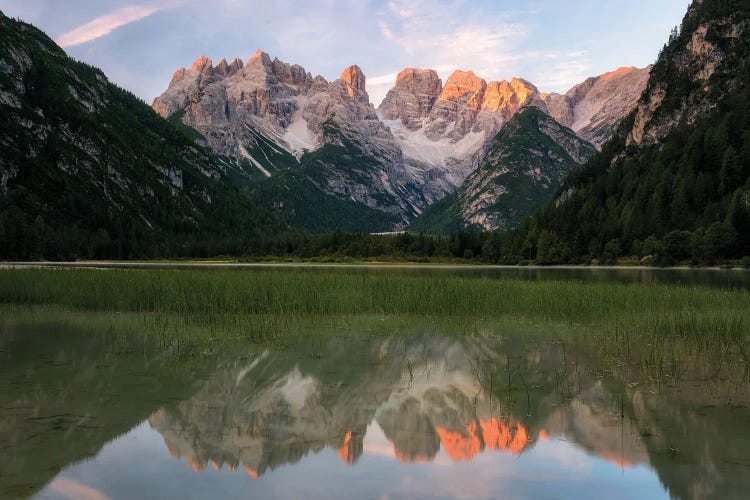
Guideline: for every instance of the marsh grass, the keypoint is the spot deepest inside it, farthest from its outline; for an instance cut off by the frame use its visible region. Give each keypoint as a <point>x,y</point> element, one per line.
<point>318,292</point>
<point>661,328</point>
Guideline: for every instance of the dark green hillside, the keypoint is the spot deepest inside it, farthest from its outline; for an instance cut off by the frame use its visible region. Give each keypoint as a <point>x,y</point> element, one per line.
<point>303,194</point>
<point>89,170</point>
<point>527,161</point>
<point>441,218</point>
<point>683,192</point>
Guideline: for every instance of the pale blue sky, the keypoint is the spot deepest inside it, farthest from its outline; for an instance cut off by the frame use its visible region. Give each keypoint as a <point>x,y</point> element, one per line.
<point>553,43</point>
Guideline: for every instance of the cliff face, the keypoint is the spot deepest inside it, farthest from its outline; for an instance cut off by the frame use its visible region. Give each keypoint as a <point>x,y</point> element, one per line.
<point>412,98</point>
<point>444,130</point>
<point>594,108</point>
<point>702,63</point>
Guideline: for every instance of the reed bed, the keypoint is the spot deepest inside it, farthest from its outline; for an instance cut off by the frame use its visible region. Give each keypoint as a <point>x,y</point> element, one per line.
<point>660,331</point>
<point>268,303</point>
<point>330,292</point>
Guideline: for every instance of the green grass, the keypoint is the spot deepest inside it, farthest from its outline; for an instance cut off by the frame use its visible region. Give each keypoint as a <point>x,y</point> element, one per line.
<point>671,309</point>
<point>661,329</point>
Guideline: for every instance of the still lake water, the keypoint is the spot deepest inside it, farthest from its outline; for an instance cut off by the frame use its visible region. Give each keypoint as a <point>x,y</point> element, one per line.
<point>486,410</point>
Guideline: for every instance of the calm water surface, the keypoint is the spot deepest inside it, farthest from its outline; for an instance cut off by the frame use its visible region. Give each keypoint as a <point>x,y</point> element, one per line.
<point>728,278</point>
<point>485,412</point>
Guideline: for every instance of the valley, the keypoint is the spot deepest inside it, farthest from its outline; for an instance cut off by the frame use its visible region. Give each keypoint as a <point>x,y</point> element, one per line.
<point>497,251</point>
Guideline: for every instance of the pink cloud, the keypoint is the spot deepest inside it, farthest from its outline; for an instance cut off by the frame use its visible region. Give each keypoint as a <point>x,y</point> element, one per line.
<point>106,24</point>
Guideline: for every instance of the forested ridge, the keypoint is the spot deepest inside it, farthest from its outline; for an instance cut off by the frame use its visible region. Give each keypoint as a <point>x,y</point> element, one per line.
<point>90,171</point>
<point>684,198</point>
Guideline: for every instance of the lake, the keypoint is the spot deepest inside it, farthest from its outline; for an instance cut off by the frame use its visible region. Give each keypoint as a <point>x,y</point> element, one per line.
<point>368,383</point>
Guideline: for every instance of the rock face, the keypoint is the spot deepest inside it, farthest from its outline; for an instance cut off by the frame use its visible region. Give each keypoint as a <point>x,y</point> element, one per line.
<point>711,46</point>
<point>224,103</point>
<point>412,98</point>
<point>526,163</point>
<point>594,108</point>
<point>444,133</point>
<point>268,111</point>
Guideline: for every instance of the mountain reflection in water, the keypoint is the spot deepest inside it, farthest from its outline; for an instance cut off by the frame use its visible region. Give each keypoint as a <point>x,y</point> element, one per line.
<point>402,398</point>
<point>416,414</point>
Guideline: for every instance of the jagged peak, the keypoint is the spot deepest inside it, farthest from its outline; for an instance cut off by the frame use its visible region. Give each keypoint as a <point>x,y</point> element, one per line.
<point>461,83</point>
<point>201,64</point>
<point>178,75</point>
<point>514,85</point>
<point>410,73</point>
<point>508,95</point>
<point>461,75</point>
<point>320,80</point>
<point>522,83</point>
<point>222,66</point>
<point>236,65</point>
<point>292,74</point>
<point>354,78</point>
<point>259,57</point>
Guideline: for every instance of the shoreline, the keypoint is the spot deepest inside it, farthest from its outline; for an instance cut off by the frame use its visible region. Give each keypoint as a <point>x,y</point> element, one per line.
<point>232,264</point>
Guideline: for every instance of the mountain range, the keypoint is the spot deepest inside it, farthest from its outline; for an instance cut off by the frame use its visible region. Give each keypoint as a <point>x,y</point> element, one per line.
<point>235,155</point>
<point>326,140</point>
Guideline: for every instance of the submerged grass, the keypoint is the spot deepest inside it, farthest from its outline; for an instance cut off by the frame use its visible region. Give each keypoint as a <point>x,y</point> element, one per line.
<point>660,330</point>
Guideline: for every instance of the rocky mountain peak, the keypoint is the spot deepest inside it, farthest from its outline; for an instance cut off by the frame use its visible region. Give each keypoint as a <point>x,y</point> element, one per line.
<point>236,65</point>
<point>202,65</point>
<point>355,80</point>
<point>291,74</point>
<point>222,67</point>
<point>595,107</point>
<point>411,78</point>
<point>178,75</point>
<point>464,85</point>
<point>507,97</point>
<point>201,69</point>
<point>413,96</point>
<point>447,126</point>
<point>268,115</point>
<point>432,136</point>
<point>524,88</point>
<point>260,58</point>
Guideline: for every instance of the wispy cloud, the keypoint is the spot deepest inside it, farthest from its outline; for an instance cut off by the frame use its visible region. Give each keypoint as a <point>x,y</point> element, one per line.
<point>497,39</point>
<point>450,33</point>
<point>563,70</point>
<point>106,24</point>
<point>447,35</point>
